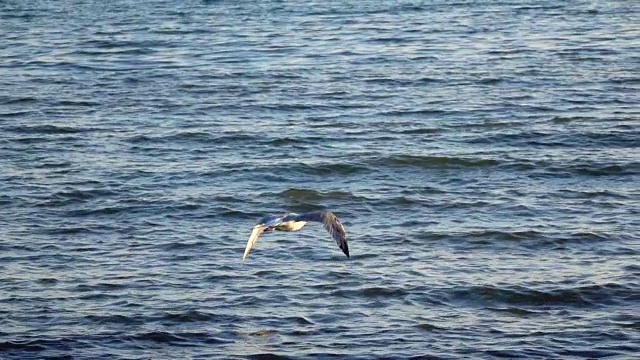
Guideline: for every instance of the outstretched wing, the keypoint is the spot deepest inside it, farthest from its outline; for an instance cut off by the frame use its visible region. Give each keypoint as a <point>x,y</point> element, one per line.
<point>333,226</point>
<point>255,234</point>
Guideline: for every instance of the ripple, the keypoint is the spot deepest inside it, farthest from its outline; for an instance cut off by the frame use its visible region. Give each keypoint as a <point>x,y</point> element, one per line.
<point>434,162</point>
<point>578,296</point>
<point>313,195</point>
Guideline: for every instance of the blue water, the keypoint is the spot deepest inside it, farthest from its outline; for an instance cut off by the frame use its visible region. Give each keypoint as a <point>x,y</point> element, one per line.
<point>483,157</point>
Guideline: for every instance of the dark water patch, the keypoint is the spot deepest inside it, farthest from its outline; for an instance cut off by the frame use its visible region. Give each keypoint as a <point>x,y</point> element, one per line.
<point>589,354</point>
<point>300,320</point>
<point>268,273</point>
<point>34,345</point>
<point>194,137</point>
<point>496,235</point>
<point>429,327</point>
<point>271,356</point>
<point>434,162</point>
<point>116,319</point>
<point>99,287</point>
<point>58,344</point>
<point>139,50</point>
<point>53,165</point>
<point>372,293</point>
<point>191,136</point>
<point>569,119</point>
<point>632,168</point>
<point>504,354</point>
<point>10,100</point>
<point>190,316</point>
<point>69,230</point>
<point>416,113</point>
<point>179,245</point>
<point>492,80</point>
<point>529,138</point>
<point>515,311</point>
<point>287,141</point>
<point>325,169</point>
<point>262,333</point>
<point>420,131</point>
<point>627,321</point>
<point>107,211</point>
<point>633,269</point>
<point>47,129</point>
<point>76,103</point>
<point>227,212</point>
<point>592,194</point>
<point>13,114</point>
<point>309,195</point>
<point>565,139</point>
<point>175,338</point>
<point>159,337</point>
<point>47,281</point>
<point>592,295</point>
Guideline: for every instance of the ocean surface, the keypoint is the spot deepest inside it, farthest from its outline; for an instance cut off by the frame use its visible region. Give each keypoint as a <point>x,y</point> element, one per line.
<point>483,157</point>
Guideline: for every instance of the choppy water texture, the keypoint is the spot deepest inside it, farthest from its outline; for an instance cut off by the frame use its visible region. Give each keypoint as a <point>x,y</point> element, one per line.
<point>483,157</point>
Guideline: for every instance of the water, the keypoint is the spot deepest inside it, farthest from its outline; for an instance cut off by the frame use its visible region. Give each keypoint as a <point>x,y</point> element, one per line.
<point>482,156</point>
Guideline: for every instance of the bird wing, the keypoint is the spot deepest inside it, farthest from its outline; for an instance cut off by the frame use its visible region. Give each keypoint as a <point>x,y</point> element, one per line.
<point>255,234</point>
<point>333,226</point>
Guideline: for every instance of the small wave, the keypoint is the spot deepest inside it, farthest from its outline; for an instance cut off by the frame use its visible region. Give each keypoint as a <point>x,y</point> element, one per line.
<point>506,235</point>
<point>605,170</point>
<point>325,169</point>
<point>47,129</point>
<point>99,287</point>
<point>69,230</point>
<point>159,337</point>
<point>579,296</point>
<point>428,162</point>
<point>53,165</point>
<point>372,292</point>
<point>196,137</point>
<point>183,245</point>
<point>178,338</point>
<point>108,210</point>
<point>78,195</point>
<point>265,332</point>
<point>6,100</point>
<point>608,193</point>
<point>227,212</point>
<point>420,131</point>
<point>114,319</point>
<point>41,344</point>
<point>516,311</point>
<point>313,195</point>
<point>420,112</point>
<point>269,356</point>
<point>429,327</point>
<point>285,141</point>
<point>75,103</point>
<point>189,316</point>
<point>11,114</point>
<point>47,281</point>
<point>22,346</point>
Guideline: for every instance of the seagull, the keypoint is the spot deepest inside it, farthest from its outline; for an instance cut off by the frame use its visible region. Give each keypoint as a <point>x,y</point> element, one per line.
<point>295,222</point>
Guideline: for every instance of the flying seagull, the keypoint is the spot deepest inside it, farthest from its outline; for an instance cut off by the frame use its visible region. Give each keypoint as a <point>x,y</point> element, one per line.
<point>295,222</point>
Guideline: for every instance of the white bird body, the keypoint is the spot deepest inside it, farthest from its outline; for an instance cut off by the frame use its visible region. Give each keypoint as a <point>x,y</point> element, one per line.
<point>291,225</point>
<point>295,222</point>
